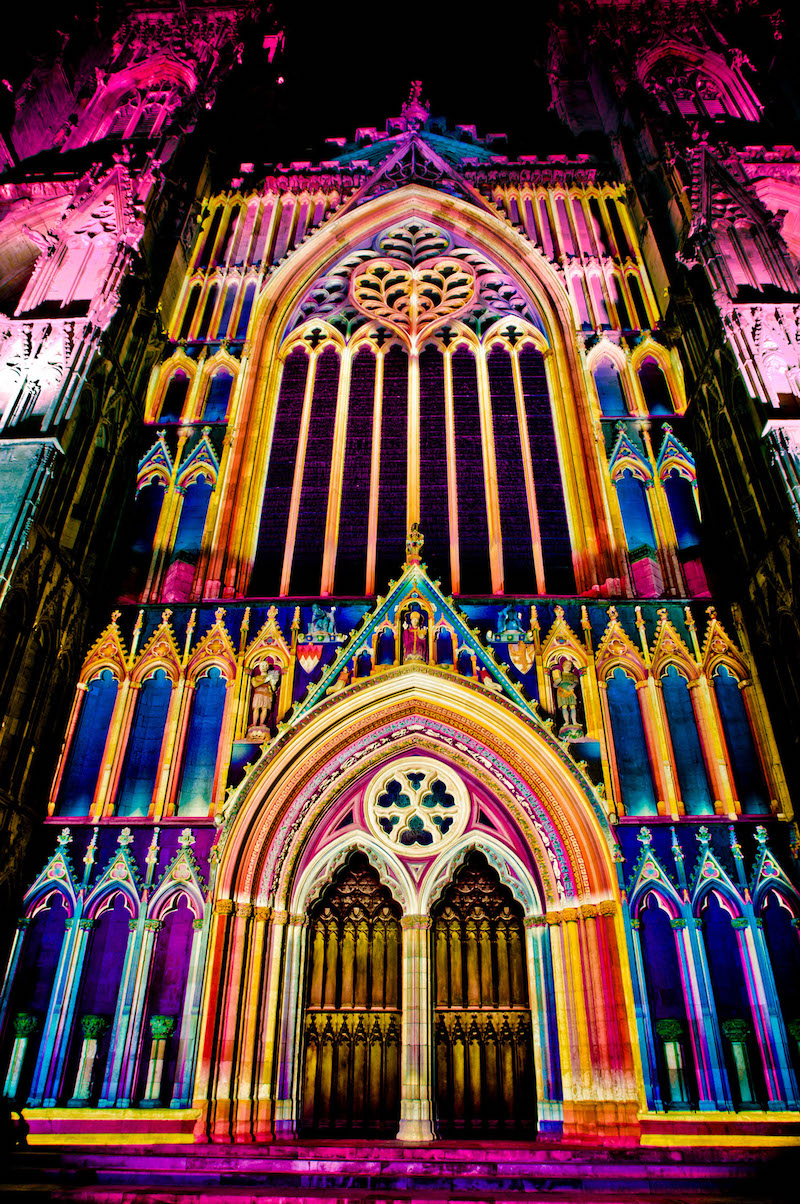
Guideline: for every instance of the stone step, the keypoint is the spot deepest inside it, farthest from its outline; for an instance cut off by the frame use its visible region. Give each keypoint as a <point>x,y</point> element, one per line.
<point>356,1171</point>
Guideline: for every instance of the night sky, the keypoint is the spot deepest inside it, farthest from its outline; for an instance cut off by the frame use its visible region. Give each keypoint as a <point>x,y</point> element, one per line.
<point>350,65</point>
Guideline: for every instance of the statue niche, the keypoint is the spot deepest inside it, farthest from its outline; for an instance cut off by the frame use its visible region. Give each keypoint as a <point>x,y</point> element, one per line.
<point>414,639</point>
<point>566,679</point>
<point>266,681</point>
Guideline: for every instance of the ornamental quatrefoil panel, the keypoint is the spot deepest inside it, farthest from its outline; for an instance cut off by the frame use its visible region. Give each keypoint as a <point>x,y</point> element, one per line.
<point>417,807</point>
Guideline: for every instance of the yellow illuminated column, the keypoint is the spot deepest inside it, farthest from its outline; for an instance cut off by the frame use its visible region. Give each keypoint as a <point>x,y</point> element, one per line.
<point>416,1065</point>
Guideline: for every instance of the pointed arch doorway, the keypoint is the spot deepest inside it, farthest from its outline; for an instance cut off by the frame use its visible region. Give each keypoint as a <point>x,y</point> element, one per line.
<point>484,1072</point>
<point>352,1021</point>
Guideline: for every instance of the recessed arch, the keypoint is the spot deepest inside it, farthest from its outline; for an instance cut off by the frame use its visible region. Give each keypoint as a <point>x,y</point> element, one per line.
<point>291,786</point>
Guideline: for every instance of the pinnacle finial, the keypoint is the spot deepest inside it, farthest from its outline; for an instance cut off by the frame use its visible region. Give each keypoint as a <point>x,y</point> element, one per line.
<point>414,544</point>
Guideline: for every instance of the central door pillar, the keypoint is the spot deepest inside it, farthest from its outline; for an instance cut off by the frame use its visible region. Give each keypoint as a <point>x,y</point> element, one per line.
<point>416,1064</point>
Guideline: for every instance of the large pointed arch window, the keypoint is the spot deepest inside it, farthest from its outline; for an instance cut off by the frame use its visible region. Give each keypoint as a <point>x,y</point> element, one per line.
<point>413,388</point>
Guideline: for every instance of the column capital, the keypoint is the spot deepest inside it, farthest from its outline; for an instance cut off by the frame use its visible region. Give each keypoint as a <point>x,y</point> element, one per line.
<point>412,922</point>
<point>223,907</point>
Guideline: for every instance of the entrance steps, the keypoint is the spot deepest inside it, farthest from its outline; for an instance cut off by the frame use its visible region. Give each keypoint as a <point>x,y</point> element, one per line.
<point>387,1172</point>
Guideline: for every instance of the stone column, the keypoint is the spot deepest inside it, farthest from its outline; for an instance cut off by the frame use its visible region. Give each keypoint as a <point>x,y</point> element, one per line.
<point>13,963</point>
<point>25,1025</point>
<point>549,1107</point>
<point>161,1029</point>
<point>93,1028</point>
<point>57,1027</point>
<point>290,1037</point>
<point>416,1065</point>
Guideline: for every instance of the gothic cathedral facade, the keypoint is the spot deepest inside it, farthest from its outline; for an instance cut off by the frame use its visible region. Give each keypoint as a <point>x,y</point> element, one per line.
<point>432,775</point>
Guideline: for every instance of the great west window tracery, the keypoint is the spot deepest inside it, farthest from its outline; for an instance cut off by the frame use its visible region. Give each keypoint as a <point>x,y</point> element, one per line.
<point>413,388</point>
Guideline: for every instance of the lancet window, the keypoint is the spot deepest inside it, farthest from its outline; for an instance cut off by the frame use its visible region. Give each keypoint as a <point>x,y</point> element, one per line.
<point>88,744</point>
<point>142,760</point>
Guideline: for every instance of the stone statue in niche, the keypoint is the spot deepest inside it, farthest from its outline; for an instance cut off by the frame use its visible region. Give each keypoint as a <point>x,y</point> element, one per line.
<point>415,637</point>
<point>566,679</point>
<point>266,679</point>
<point>323,624</point>
<point>509,625</point>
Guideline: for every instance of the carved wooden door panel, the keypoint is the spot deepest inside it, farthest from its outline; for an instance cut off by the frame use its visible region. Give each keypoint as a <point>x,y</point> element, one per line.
<point>352,1022</point>
<point>484,1052</point>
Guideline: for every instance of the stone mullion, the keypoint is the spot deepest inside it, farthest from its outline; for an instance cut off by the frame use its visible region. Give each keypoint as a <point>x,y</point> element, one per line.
<point>615,793</point>
<point>225,747</point>
<point>229,1025</point>
<point>641,1012</point>
<point>81,690</point>
<point>721,741</point>
<point>577,485</point>
<point>57,1028</point>
<point>715,756</point>
<point>11,969</point>
<point>299,472</point>
<point>209,563</point>
<point>572,1020</point>
<point>243,472</point>
<point>660,767</point>
<point>139,986</point>
<point>662,522</point>
<point>270,1008</point>
<point>248,1054</point>
<point>375,475</point>
<point>167,525</point>
<point>602,1029</point>
<point>218,978</point>
<point>171,744</point>
<point>416,1065</point>
<point>489,460</point>
<point>527,468</point>
<point>119,729</point>
<point>289,1039</point>
<point>190,405</point>
<point>187,1034</point>
<point>337,473</point>
<point>412,444</point>
<point>675,802</point>
<point>119,1050</point>
<point>770,1033</point>
<point>712,1077</point>
<point>452,477</point>
<point>550,1112</point>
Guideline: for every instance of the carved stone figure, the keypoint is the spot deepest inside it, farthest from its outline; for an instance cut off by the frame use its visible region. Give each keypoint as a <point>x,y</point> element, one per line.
<point>415,638</point>
<point>265,684</point>
<point>567,681</point>
<point>509,626</point>
<point>323,623</point>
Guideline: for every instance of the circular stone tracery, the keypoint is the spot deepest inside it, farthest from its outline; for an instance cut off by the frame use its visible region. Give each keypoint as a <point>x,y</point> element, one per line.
<point>417,807</point>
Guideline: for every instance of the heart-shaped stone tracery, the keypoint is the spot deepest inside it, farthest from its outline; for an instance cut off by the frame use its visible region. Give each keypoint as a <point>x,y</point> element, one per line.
<point>413,301</point>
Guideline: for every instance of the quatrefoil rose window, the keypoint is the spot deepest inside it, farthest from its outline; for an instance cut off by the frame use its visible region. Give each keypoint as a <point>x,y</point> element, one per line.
<point>417,807</point>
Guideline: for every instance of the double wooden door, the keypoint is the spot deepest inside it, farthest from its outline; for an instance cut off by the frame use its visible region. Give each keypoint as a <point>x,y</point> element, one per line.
<point>352,1023</point>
